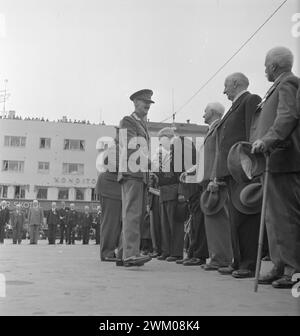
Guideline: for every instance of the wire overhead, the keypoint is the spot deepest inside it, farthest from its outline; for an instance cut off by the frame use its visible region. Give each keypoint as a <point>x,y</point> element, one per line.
<point>223,66</point>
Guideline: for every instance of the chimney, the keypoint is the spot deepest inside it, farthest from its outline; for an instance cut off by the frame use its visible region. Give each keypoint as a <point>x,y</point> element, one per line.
<point>188,121</point>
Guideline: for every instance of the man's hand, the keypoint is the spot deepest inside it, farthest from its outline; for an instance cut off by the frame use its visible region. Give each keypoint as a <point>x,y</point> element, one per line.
<point>213,187</point>
<point>258,147</point>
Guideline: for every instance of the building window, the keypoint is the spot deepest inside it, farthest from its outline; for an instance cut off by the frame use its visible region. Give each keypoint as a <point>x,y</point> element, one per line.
<point>13,166</point>
<point>95,197</point>
<point>43,167</point>
<point>3,191</point>
<point>45,143</point>
<point>73,144</point>
<point>42,193</point>
<point>14,141</point>
<point>63,194</point>
<point>79,194</point>
<point>73,168</point>
<point>19,192</point>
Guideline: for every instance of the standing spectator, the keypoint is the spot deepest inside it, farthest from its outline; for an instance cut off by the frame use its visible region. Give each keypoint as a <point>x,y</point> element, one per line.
<point>276,130</point>
<point>53,222</point>
<point>86,224</point>
<point>17,221</point>
<point>63,214</point>
<point>109,190</point>
<point>97,224</point>
<point>72,224</point>
<point>235,127</point>
<point>4,218</point>
<point>35,220</point>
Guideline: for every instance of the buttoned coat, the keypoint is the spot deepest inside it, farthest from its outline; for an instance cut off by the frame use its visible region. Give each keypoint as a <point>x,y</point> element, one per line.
<point>234,127</point>
<point>276,122</point>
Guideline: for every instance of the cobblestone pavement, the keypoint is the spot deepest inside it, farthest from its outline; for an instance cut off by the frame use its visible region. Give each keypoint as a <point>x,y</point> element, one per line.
<point>71,280</point>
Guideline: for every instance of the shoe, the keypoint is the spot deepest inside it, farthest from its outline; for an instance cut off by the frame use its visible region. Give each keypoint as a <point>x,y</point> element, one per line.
<point>136,261</point>
<point>243,274</point>
<point>119,262</point>
<point>172,259</point>
<point>284,282</point>
<point>110,259</point>
<point>266,258</point>
<point>270,277</point>
<point>226,270</point>
<point>181,261</point>
<point>208,267</point>
<point>154,254</point>
<point>162,257</point>
<point>194,262</point>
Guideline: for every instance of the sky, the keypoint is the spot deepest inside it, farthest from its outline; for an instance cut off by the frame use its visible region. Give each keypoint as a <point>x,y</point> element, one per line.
<point>84,58</point>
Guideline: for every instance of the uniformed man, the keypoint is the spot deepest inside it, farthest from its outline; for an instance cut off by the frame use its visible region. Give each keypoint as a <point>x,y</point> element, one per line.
<point>52,222</point>
<point>86,224</point>
<point>4,218</point>
<point>63,213</point>
<point>133,179</point>
<point>97,224</point>
<point>17,223</point>
<point>72,224</point>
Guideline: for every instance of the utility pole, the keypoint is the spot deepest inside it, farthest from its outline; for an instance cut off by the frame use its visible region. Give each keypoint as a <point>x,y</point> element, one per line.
<point>4,96</point>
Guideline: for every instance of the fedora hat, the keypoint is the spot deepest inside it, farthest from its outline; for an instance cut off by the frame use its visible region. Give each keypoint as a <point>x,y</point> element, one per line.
<point>145,95</point>
<point>244,165</point>
<point>251,195</point>
<point>247,197</point>
<point>212,202</point>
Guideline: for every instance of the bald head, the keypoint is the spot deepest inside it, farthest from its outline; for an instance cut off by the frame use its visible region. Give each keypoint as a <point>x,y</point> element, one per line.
<point>212,112</point>
<point>234,84</point>
<point>278,60</point>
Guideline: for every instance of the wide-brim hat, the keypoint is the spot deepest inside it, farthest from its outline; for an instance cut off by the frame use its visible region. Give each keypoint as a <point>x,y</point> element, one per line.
<point>243,165</point>
<point>212,202</point>
<point>145,95</point>
<point>247,197</point>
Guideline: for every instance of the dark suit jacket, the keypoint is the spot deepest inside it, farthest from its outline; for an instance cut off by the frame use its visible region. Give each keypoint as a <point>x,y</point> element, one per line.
<point>135,129</point>
<point>108,186</point>
<point>14,218</point>
<point>234,127</point>
<point>72,218</point>
<point>4,216</point>
<point>63,213</point>
<point>53,219</point>
<point>277,124</point>
<point>86,220</point>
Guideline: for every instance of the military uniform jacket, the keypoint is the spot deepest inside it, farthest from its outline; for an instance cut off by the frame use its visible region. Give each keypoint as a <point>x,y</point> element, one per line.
<point>234,127</point>
<point>16,218</point>
<point>4,216</point>
<point>86,220</point>
<point>136,128</point>
<point>276,122</point>
<point>63,212</point>
<point>53,217</point>
<point>72,218</point>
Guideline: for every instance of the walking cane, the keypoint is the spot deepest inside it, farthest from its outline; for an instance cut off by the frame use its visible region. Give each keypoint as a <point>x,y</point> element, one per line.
<point>262,223</point>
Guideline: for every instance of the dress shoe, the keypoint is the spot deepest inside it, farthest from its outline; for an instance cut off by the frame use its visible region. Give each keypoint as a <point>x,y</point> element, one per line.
<point>208,267</point>
<point>194,262</point>
<point>284,282</point>
<point>172,259</point>
<point>162,257</point>
<point>110,259</point>
<point>226,270</point>
<point>243,274</point>
<point>270,277</point>
<point>154,254</point>
<point>136,261</point>
<point>181,261</point>
<point>266,258</point>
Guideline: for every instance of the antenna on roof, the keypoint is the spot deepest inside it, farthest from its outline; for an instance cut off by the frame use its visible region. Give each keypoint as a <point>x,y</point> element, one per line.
<point>4,95</point>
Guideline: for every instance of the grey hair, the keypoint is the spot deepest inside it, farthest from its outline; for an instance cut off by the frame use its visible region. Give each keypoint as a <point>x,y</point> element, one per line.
<point>240,79</point>
<point>282,57</point>
<point>217,108</point>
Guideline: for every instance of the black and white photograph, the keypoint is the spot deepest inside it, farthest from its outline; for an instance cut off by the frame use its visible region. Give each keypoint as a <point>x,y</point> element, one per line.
<point>149,161</point>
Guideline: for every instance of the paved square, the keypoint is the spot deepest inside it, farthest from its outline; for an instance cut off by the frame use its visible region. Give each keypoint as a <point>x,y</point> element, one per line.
<point>70,280</point>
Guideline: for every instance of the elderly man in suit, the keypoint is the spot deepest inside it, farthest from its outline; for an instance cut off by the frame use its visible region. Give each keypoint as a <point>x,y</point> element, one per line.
<point>234,127</point>
<point>72,224</point>
<point>52,222</point>
<point>4,218</point>
<point>134,176</point>
<point>35,220</point>
<point>17,221</point>
<point>276,131</point>
<point>86,224</point>
<point>217,224</point>
<point>63,214</point>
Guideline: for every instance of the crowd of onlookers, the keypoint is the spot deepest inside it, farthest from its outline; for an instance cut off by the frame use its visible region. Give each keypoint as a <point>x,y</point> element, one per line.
<point>65,224</point>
